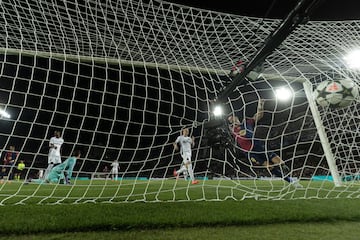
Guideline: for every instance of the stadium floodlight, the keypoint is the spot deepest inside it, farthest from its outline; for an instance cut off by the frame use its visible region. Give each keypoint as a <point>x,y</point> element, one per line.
<point>4,114</point>
<point>352,59</point>
<point>283,94</point>
<point>218,111</point>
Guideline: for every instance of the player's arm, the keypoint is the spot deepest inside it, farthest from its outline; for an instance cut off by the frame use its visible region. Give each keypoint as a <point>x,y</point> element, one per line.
<point>51,144</point>
<point>175,144</point>
<point>260,110</point>
<point>192,141</point>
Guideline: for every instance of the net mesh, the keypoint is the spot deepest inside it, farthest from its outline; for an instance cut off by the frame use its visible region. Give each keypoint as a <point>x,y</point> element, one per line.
<point>120,79</point>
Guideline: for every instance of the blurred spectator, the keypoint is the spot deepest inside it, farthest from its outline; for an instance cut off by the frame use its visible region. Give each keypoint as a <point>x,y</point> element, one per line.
<point>20,170</point>
<point>9,162</point>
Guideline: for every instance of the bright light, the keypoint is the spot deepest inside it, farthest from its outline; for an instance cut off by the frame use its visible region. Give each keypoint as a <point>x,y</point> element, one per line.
<point>283,94</point>
<point>353,59</point>
<point>218,111</point>
<point>4,114</point>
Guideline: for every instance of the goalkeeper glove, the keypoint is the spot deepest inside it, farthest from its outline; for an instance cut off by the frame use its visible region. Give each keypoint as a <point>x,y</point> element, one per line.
<point>285,169</point>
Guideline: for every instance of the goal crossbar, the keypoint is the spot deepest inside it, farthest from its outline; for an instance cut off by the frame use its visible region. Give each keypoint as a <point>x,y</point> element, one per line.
<point>131,63</point>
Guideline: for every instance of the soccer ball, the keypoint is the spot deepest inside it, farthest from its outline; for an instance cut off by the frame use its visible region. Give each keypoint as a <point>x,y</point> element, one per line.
<point>336,93</point>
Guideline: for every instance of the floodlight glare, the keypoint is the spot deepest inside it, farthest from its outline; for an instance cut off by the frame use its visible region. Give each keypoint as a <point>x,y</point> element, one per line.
<point>352,59</point>
<point>4,114</point>
<point>218,111</point>
<point>283,94</point>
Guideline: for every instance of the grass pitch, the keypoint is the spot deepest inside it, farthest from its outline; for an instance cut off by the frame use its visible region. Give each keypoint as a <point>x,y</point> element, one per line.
<point>319,211</point>
<point>95,191</point>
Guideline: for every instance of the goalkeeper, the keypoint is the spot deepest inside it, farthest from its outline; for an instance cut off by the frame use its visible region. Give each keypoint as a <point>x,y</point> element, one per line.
<point>243,133</point>
<point>62,172</point>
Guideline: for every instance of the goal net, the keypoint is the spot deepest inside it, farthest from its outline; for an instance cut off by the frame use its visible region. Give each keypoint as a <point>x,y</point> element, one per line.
<point>121,79</point>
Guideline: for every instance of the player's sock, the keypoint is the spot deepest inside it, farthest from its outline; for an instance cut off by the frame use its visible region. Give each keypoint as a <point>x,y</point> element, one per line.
<point>276,171</point>
<point>67,180</point>
<point>191,172</point>
<point>186,175</point>
<point>285,171</point>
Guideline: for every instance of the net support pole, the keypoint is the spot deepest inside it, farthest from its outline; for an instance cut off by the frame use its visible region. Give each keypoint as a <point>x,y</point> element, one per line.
<point>297,16</point>
<point>322,134</point>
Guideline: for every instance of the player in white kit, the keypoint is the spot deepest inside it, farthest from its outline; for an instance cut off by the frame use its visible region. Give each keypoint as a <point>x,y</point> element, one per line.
<point>114,170</point>
<point>54,157</point>
<point>185,143</point>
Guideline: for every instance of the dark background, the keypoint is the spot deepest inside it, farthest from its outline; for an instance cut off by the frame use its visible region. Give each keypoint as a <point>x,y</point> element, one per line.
<point>327,10</point>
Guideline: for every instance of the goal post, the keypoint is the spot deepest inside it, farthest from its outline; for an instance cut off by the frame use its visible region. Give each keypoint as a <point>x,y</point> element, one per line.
<point>308,89</point>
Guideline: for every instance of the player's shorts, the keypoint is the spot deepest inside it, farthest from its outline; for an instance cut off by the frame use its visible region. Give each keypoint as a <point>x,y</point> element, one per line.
<point>16,170</point>
<point>54,159</point>
<point>259,158</point>
<point>114,171</point>
<point>186,156</point>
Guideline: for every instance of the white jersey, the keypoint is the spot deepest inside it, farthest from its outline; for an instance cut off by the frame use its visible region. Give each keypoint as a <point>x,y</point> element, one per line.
<point>185,144</point>
<point>57,142</point>
<point>115,167</point>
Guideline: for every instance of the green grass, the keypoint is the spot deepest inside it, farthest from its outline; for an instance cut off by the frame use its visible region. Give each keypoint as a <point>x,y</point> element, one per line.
<point>327,212</point>
<point>294,231</point>
<point>168,190</point>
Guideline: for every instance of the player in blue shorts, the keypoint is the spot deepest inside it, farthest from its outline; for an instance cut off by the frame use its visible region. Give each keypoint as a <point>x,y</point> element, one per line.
<point>254,149</point>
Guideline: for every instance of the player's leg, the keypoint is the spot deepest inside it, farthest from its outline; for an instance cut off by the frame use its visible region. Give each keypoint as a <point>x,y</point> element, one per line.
<point>182,168</point>
<point>66,179</point>
<point>51,161</point>
<point>11,172</point>
<point>16,175</point>
<point>186,174</point>
<point>54,175</point>
<point>41,174</point>
<point>276,160</point>
<point>190,168</point>
<point>271,163</point>
<point>48,169</point>
<point>281,170</point>
<point>52,178</point>
<point>62,178</point>
<point>278,168</point>
<point>191,173</point>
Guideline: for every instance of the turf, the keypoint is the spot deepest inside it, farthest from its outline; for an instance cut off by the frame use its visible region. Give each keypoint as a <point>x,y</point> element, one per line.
<point>167,190</point>
<point>295,231</point>
<point>172,219</point>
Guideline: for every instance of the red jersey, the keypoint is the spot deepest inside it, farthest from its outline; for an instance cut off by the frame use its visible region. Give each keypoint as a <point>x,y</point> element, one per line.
<point>10,157</point>
<point>244,133</point>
